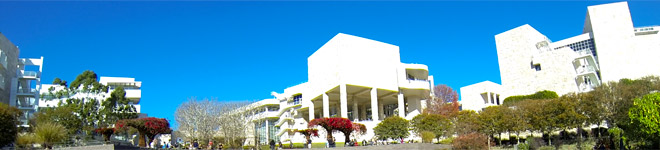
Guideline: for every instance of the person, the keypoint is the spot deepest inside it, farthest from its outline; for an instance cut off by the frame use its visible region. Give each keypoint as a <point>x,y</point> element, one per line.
<point>290,144</point>
<point>272,144</point>
<point>281,147</point>
<point>309,143</point>
<point>195,145</point>
<point>221,146</point>
<point>332,142</point>
<point>210,144</point>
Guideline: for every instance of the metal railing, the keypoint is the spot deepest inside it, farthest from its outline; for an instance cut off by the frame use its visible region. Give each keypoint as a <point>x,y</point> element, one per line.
<point>586,87</point>
<point>585,51</point>
<point>29,73</point>
<point>585,69</point>
<point>25,102</point>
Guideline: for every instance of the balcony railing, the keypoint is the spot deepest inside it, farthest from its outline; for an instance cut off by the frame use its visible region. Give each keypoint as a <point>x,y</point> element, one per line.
<point>25,102</point>
<point>416,83</point>
<point>586,87</point>
<point>585,69</point>
<point>583,52</point>
<point>27,91</point>
<point>28,74</point>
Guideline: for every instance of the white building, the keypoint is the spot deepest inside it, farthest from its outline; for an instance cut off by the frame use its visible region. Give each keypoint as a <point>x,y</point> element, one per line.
<point>609,48</point>
<point>20,79</point>
<point>132,88</point>
<point>349,77</point>
<point>25,87</point>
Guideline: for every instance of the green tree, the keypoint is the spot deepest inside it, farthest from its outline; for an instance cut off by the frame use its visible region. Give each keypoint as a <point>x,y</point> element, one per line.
<point>645,113</point>
<point>9,117</point>
<point>88,82</point>
<point>519,121</point>
<point>117,107</point>
<point>492,121</point>
<point>61,115</point>
<point>392,128</point>
<point>438,124</point>
<point>564,114</point>
<point>58,81</point>
<point>50,133</point>
<point>467,121</point>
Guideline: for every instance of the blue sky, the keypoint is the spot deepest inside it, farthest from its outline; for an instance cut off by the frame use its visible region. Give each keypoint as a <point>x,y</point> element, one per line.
<point>245,50</point>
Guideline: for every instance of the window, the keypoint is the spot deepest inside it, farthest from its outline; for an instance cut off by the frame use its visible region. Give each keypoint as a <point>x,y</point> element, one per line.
<point>537,67</point>
<point>297,99</point>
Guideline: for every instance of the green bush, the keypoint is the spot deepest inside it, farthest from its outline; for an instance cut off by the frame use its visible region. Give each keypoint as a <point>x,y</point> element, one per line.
<point>427,136</point>
<point>538,95</point>
<point>448,140</point>
<point>523,146</point>
<point>547,148</point>
<point>534,143</point>
<point>9,119</point>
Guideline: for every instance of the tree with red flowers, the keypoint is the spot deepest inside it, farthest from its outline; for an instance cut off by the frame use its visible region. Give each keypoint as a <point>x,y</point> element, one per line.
<point>309,133</point>
<point>358,129</point>
<point>343,125</point>
<point>107,132</point>
<point>149,127</point>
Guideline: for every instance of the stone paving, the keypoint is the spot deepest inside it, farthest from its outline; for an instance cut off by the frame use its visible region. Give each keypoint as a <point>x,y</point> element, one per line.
<point>407,146</point>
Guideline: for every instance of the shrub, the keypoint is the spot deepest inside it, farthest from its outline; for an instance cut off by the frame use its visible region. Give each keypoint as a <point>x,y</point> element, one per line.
<point>50,133</point>
<point>8,130</point>
<point>427,136</point>
<point>471,141</point>
<point>523,146</point>
<point>547,148</point>
<point>25,140</point>
<point>448,140</point>
<point>535,143</point>
<point>538,95</point>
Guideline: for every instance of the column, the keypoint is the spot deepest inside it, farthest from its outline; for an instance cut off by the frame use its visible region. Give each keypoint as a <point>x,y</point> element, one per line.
<point>267,131</point>
<point>343,101</point>
<point>492,99</point>
<point>356,115</point>
<point>363,112</point>
<point>326,105</point>
<point>402,106</point>
<point>374,104</point>
<point>381,112</point>
<point>311,110</point>
<point>487,97</point>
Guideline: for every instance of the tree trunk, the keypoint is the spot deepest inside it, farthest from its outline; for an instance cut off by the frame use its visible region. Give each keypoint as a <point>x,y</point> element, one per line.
<point>346,138</point>
<point>141,136</point>
<point>579,143</point>
<point>517,137</point>
<point>151,139</point>
<point>488,139</point>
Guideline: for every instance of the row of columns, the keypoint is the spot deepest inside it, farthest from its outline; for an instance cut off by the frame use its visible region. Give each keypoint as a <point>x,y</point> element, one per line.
<point>492,98</point>
<point>360,113</point>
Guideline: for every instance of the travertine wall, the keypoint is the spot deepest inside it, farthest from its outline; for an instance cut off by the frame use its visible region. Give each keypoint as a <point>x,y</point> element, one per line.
<point>517,53</point>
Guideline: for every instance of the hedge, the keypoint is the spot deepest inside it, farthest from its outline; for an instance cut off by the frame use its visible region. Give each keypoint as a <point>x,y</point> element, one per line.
<point>545,94</point>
